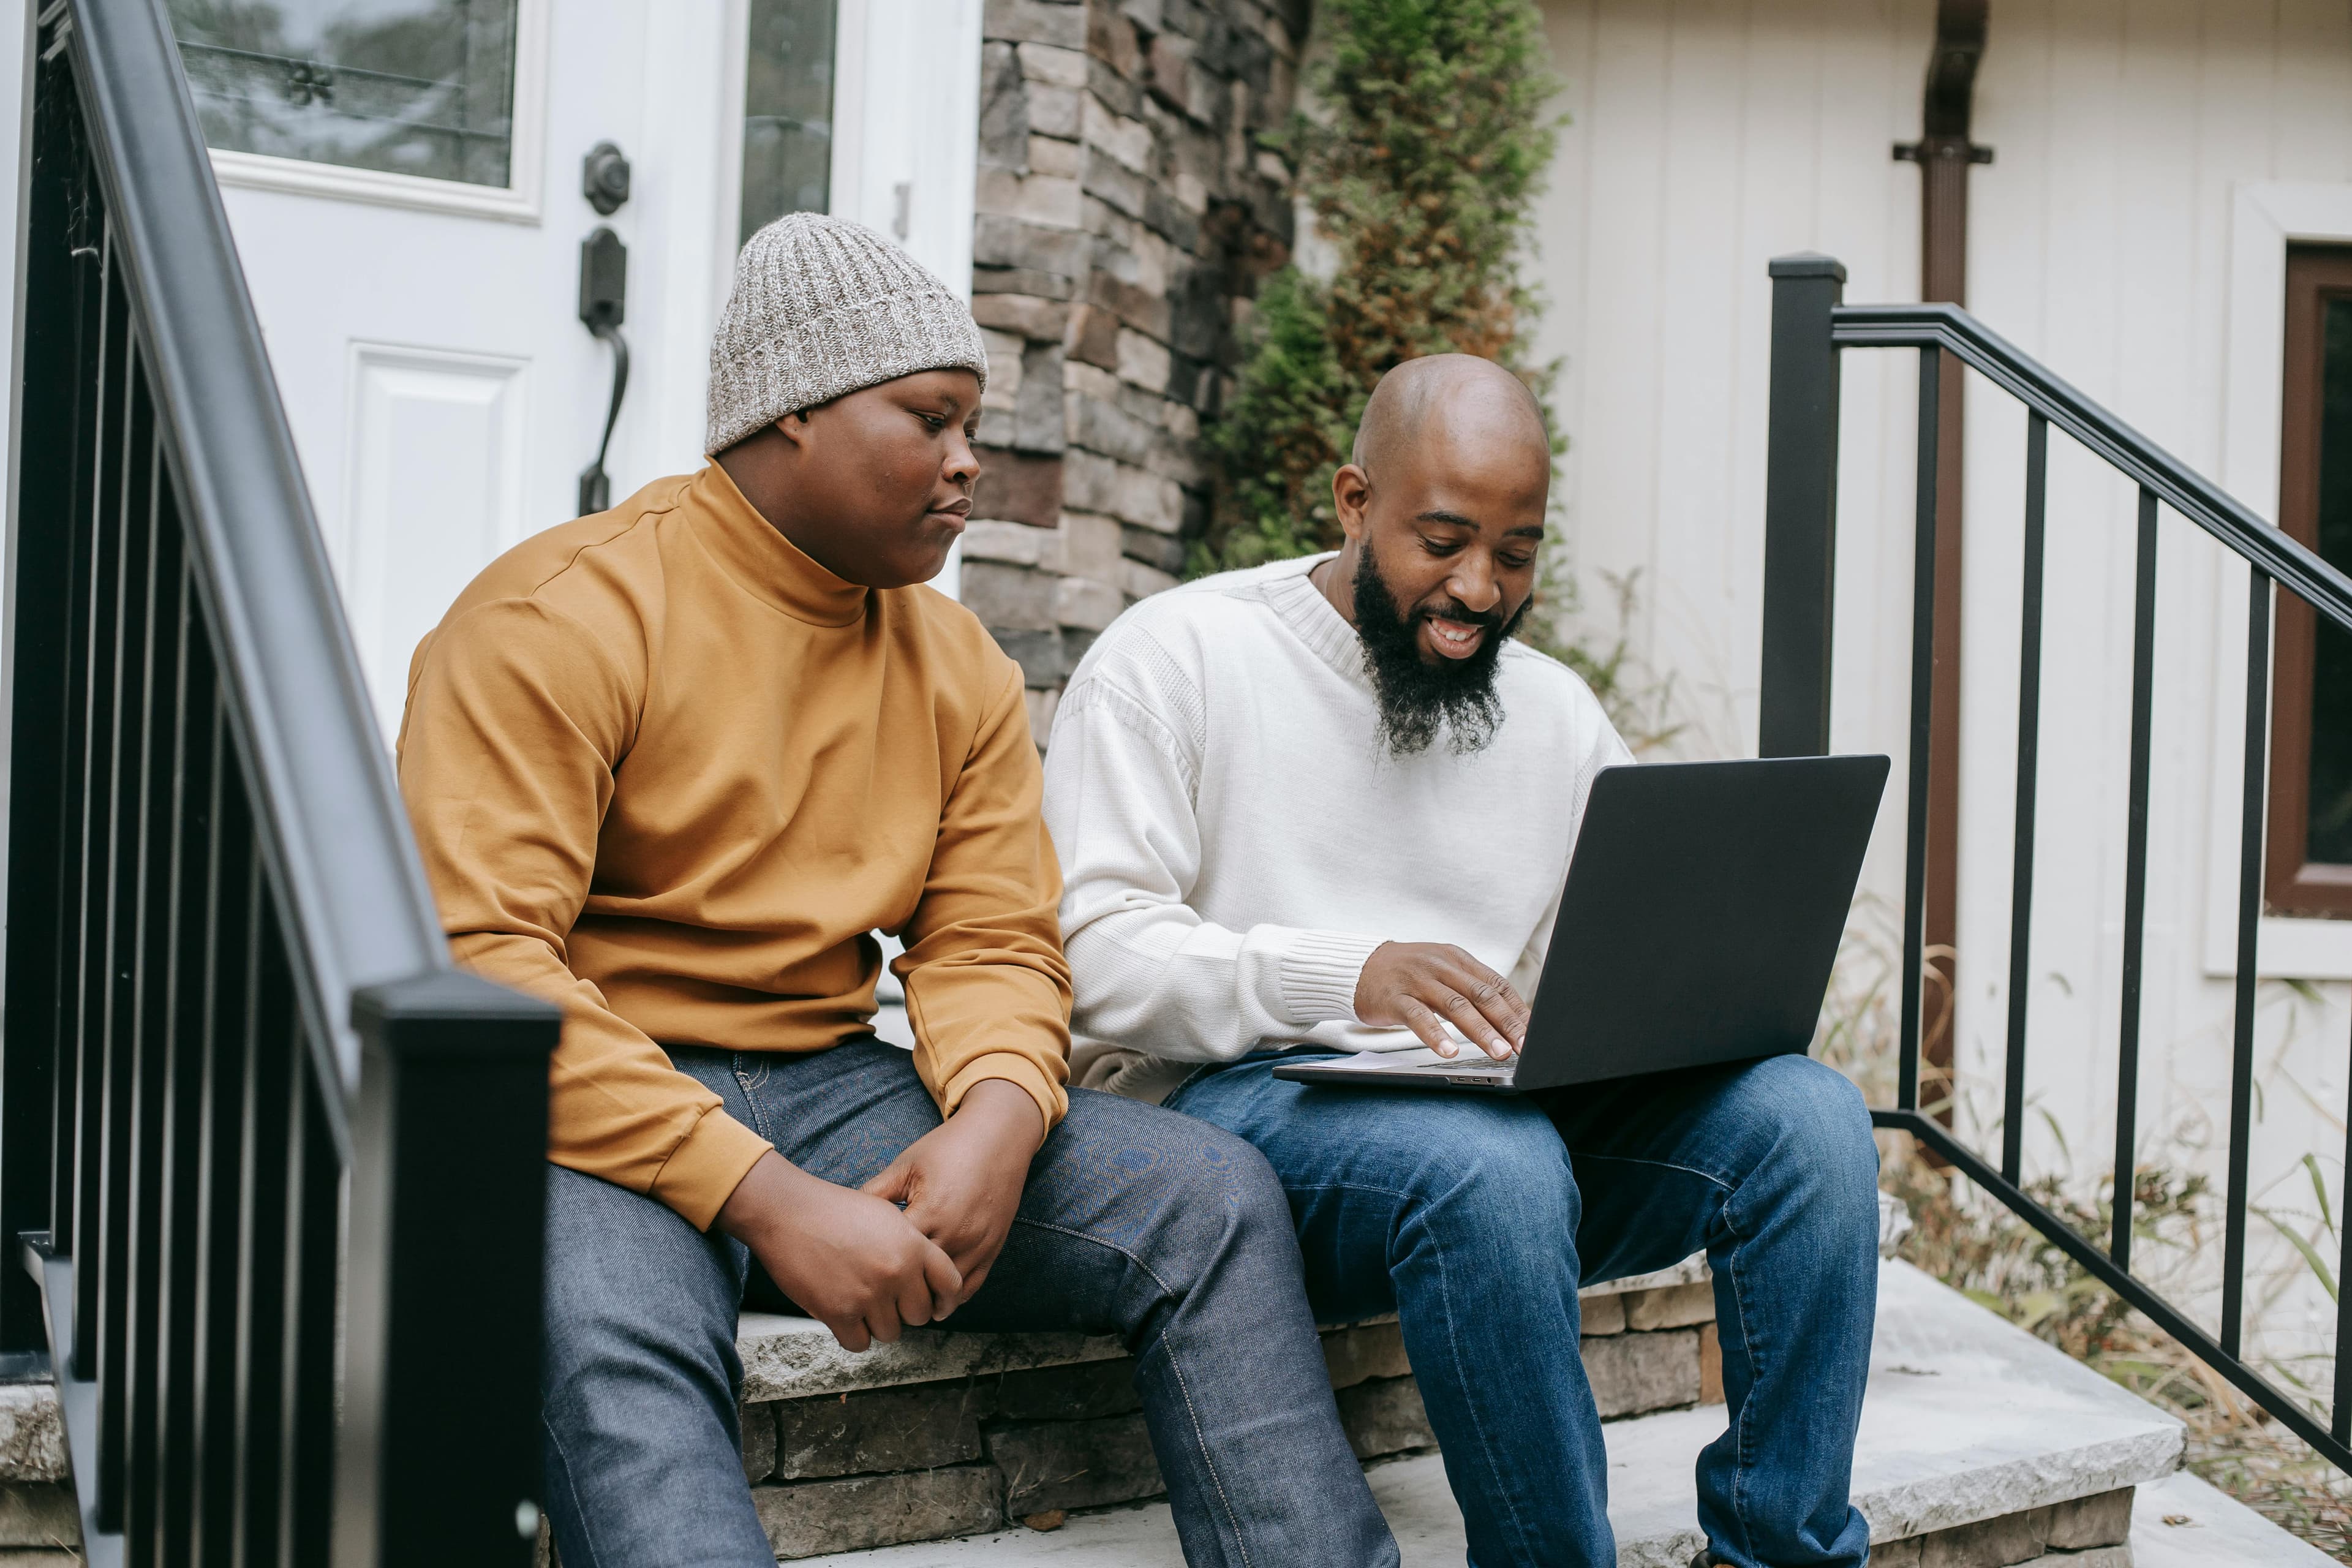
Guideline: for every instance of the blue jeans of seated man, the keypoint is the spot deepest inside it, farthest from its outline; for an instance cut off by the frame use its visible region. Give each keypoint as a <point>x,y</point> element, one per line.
<point>1477,1218</point>
<point>1134,1221</point>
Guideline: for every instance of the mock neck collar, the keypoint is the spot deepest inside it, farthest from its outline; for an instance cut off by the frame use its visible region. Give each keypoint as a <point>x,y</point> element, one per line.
<point>1316,622</point>
<point>755,552</point>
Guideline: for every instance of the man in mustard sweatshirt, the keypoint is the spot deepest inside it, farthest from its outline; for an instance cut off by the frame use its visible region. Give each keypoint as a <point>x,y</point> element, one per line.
<point>673,765</point>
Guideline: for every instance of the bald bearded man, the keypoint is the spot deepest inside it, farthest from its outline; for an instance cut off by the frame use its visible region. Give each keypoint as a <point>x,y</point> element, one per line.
<point>1327,805</point>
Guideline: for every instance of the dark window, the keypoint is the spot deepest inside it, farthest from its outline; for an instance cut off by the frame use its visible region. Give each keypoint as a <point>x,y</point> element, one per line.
<point>408,87</point>
<point>2310,863</point>
<point>787,110</point>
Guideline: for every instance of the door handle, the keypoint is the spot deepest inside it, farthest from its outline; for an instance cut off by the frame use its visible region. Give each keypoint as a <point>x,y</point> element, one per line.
<point>605,178</point>
<point>603,301</point>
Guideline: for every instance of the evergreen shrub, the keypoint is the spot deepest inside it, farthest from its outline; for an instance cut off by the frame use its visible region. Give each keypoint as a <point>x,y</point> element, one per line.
<point>1420,166</point>
<point>1421,163</point>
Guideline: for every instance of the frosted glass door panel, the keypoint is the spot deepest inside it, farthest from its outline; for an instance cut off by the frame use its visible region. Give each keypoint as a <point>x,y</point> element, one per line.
<point>787,110</point>
<point>405,87</point>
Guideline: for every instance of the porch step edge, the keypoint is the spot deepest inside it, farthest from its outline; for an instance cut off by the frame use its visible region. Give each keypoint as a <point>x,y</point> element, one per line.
<point>792,1358</point>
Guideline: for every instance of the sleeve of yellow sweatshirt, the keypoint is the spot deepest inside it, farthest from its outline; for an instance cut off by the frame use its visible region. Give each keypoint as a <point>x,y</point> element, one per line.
<point>988,990</point>
<point>516,717</point>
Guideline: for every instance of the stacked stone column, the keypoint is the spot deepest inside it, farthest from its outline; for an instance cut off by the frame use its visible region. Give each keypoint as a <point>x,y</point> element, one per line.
<point>1126,211</point>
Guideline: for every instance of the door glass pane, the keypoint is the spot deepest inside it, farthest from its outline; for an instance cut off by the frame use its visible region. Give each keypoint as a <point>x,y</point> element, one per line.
<point>410,87</point>
<point>2331,673</point>
<point>787,110</point>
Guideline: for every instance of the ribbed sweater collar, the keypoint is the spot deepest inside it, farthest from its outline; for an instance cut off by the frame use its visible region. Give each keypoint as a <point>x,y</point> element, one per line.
<point>755,553</point>
<point>1301,606</point>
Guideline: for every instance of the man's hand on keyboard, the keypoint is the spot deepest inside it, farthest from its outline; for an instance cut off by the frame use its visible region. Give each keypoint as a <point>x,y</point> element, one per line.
<point>1425,986</point>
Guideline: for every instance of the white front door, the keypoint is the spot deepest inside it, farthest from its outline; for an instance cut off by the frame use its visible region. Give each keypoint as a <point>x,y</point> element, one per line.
<point>405,181</point>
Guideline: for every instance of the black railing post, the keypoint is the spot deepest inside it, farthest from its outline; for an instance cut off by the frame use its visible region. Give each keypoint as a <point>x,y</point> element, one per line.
<point>439,1455</point>
<point>1912,1026</point>
<point>2339,1422</point>
<point>2256,796</point>
<point>2029,784</point>
<point>34,690</point>
<point>1801,508</point>
<point>2126,1181</point>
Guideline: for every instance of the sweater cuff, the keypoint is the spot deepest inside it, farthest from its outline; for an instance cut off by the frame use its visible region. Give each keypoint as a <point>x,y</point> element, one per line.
<point>1013,1069</point>
<point>1319,973</point>
<point>703,1172</point>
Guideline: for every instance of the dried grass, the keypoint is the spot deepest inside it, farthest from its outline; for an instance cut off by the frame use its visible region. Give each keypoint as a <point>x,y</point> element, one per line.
<point>1971,1242</point>
<point>1977,1246</point>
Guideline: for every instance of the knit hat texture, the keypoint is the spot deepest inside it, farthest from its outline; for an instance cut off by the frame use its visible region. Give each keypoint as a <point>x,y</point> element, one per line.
<point>824,306</point>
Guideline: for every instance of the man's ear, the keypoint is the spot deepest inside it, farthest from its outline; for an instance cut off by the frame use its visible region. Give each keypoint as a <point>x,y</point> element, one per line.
<point>794,427</point>
<point>1351,492</point>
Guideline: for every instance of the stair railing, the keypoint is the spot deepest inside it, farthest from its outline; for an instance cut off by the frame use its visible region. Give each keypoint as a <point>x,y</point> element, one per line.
<point>226,992</point>
<point>1810,325</point>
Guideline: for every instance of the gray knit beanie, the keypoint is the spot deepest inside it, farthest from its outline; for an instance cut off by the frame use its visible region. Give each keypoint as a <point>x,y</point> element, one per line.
<point>824,306</point>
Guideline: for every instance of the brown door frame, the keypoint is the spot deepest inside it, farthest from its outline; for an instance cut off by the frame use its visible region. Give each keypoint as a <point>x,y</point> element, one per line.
<point>2291,884</point>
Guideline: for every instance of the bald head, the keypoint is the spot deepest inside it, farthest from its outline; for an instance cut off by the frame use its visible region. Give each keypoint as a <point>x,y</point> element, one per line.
<point>1443,508</point>
<point>1456,399</point>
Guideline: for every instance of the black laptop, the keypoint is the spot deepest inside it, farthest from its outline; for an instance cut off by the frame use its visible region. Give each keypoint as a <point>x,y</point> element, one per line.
<point>1704,908</point>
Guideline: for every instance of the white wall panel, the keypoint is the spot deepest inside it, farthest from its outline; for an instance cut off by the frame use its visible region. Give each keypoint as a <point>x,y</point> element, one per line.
<point>1707,136</point>
<point>1704,138</point>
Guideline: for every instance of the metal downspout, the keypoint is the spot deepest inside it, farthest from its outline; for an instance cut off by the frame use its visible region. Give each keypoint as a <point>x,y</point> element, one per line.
<point>1945,155</point>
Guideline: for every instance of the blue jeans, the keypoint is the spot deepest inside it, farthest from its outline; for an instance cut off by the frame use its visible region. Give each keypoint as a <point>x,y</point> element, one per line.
<point>1477,1218</point>
<point>1134,1221</point>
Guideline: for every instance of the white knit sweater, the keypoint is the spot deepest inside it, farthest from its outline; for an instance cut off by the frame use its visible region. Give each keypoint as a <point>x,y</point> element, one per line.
<point>1235,842</point>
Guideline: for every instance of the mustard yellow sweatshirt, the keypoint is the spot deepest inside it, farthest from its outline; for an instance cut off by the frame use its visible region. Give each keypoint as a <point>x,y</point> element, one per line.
<point>668,771</point>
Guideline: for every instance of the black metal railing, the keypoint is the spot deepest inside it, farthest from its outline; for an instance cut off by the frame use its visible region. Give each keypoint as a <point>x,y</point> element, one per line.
<point>226,990</point>
<point>1810,326</point>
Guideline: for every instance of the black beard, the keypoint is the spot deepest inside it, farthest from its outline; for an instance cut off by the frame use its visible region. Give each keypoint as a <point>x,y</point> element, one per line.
<point>1416,697</point>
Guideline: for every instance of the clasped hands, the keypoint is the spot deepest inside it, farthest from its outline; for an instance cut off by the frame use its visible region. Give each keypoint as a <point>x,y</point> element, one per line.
<point>863,1266</point>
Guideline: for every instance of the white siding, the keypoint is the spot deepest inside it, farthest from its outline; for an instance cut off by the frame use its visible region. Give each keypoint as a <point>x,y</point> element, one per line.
<point>1708,137</point>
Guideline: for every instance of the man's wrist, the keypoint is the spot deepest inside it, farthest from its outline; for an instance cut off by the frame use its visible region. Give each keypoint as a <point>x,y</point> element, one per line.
<point>760,1199</point>
<point>1006,1109</point>
<point>1361,1001</point>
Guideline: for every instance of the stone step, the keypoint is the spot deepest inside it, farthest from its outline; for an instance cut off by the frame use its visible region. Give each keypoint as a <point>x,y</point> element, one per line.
<point>945,1435</point>
<point>2183,1522</point>
<point>795,1358</point>
<point>1969,1421</point>
<point>2178,1521</point>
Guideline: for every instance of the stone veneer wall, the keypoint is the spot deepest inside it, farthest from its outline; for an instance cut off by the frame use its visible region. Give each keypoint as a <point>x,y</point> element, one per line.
<point>838,1472</point>
<point>1125,214</point>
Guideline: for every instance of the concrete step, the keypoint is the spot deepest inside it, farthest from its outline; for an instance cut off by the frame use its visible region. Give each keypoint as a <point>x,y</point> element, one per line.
<point>2178,1521</point>
<point>1969,1419</point>
<point>2183,1522</point>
